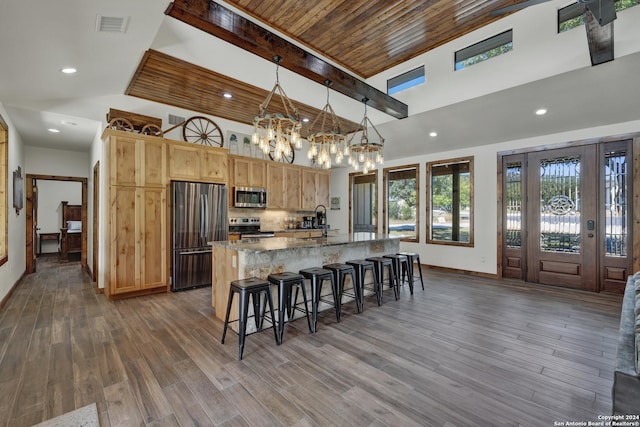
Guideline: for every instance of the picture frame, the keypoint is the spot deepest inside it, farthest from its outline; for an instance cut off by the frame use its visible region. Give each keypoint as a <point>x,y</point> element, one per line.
<point>18,190</point>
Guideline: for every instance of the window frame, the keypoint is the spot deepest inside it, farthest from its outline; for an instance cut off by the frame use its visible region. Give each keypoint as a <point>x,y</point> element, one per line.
<point>429,202</point>
<point>482,47</point>
<point>4,191</point>
<point>407,80</point>
<point>385,194</point>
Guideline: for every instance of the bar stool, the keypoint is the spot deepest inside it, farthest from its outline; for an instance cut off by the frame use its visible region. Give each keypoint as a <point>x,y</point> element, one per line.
<point>361,266</point>
<point>413,257</point>
<point>379,263</point>
<point>286,282</point>
<point>340,272</point>
<point>252,287</point>
<point>400,265</point>
<point>317,276</point>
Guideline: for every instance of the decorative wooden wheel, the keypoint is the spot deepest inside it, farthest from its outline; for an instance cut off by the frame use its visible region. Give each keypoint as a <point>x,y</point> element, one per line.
<point>121,124</point>
<point>283,159</point>
<point>152,130</point>
<point>201,130</point>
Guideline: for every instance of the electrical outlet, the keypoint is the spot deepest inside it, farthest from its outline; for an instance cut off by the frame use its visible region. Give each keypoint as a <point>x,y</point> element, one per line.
<point>233,261</point>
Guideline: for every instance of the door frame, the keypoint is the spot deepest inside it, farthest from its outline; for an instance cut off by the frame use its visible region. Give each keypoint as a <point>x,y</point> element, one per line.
<point>29,247</point>
<point>634,197</point>
<point>352,177</point>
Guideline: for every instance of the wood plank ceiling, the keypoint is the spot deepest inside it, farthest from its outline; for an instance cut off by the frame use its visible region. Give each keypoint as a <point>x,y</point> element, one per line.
<point>365,37</point>
<point>172,81</point>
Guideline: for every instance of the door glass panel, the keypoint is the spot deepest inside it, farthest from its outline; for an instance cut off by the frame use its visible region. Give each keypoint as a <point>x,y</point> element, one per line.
<point>560,205</point>
<point>513,203</point>
<point>615,207</point>
<point>364,202</point>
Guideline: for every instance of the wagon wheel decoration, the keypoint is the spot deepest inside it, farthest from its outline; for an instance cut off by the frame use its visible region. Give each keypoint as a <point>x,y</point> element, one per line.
<point>201,130</point>
<point>152,130</point>
<point>121,124</point>
<point>285,158</point>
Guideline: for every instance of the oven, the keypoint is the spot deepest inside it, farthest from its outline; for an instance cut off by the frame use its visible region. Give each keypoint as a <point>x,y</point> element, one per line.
<point>249,197</point>
<point>248,228</point>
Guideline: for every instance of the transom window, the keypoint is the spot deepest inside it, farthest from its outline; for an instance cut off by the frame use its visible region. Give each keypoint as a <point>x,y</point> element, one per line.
<point>486,49</point>
<point>406,80</point>
<point>572,16</point>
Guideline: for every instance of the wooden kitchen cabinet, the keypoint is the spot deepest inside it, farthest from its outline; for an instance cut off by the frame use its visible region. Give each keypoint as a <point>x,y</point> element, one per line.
<point>249,172</point>
<point>323,188</point>
<point>191,162</point>
<point>138,239</point>
<point>292,187</point>
<point>138,161</point>
<point>275,186</point>
<point>315,188</point>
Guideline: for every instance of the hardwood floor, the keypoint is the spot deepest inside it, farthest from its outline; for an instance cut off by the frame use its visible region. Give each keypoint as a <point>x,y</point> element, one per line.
<point>466,351</point>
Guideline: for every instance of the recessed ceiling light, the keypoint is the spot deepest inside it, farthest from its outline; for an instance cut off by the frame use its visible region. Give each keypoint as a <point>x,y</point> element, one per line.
<point>433,134</point>
<point>541,111</point>
<point>69,70</point>
<point>53,130</point>
<point>306,119</point>
<point>227,95</point>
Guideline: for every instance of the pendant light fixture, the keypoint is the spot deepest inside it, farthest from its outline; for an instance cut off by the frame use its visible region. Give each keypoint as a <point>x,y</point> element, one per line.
<point>329,140</point>
<point>366,150</point>
<point>279,131</point>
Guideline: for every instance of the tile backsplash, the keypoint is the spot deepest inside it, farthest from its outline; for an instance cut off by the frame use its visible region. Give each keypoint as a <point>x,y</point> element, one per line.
<point>270,220</point>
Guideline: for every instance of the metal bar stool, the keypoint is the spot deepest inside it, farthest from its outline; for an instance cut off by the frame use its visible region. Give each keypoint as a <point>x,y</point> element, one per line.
<point>379,264</point>
<point>340,272</point>
<point>286,282</point>
<point>317,276</point>
<point>413,257</point>
<point>252,287</point>
<point>361,266</point>
<point>400,265</point>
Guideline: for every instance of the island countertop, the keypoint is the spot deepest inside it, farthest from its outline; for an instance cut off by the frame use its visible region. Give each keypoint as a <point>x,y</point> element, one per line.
<point>280,243</point>
<point>259,257</point>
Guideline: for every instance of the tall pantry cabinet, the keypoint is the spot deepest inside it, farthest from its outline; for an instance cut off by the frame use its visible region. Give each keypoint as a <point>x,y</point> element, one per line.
<point>136,240</point>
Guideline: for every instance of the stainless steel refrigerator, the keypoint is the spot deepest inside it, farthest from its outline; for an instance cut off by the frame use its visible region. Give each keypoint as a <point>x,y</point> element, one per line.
<point>199,215</point>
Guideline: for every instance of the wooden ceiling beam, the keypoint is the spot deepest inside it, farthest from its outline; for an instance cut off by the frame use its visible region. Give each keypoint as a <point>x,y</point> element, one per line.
<point>225,24</point>
<point>600,39</point>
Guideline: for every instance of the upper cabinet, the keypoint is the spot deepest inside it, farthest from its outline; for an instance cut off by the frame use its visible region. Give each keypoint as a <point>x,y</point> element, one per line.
<point>276,186</point>
<point>191,162</point>
<point>137,161</point>
<point>315,188</point>
<point>248,172</point>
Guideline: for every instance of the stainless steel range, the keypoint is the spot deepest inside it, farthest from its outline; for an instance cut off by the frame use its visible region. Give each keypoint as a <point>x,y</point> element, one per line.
<point>248,227</point>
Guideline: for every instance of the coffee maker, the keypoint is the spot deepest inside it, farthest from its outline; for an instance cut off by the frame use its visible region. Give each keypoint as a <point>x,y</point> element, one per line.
<point>308,221</point>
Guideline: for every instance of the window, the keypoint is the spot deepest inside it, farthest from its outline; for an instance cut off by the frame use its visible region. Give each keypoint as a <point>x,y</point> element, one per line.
<point>401,207</point>
<point>4,201</point>
<point>572,16</point>
<point>450,201</point>
<point>364,202</point>
<point>406,80</point>
<point>486,49</point>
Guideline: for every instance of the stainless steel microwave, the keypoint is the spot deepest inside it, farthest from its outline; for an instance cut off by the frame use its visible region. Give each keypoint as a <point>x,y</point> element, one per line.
<point>249,197</point>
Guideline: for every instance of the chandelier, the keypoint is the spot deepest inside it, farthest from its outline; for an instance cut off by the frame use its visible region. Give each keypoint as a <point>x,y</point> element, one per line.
<point>329,140</point>
<point>277,131</point>
<point>366,153</point>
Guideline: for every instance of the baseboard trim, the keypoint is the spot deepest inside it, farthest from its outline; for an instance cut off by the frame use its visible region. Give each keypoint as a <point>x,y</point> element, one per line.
<point>465,272</point>
<point>13,288</point>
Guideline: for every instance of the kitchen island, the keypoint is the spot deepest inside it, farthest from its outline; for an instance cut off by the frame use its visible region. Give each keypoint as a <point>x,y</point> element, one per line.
<point>260,257</point>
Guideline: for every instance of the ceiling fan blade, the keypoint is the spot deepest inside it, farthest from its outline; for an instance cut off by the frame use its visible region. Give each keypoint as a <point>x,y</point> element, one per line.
<point>515,7</point>
<point>603,10</point>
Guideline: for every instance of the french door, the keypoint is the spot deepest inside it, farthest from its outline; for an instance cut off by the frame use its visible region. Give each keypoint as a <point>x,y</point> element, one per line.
<point>566,216</point>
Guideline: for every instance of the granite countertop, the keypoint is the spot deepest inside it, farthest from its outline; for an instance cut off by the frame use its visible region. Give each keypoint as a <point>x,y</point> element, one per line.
<point>278,243</point>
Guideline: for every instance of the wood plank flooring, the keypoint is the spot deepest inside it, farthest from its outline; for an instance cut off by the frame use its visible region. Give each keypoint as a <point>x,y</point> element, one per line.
<point>467,351</point>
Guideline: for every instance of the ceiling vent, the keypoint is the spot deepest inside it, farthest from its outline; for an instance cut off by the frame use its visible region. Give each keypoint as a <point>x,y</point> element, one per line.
<point>176,120</point>
<point>111,24</point>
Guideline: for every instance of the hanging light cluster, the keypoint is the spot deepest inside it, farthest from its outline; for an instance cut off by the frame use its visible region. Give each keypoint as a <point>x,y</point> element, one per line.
<point>277,132</point>
<point>329,140</point>
<point>366,153</point>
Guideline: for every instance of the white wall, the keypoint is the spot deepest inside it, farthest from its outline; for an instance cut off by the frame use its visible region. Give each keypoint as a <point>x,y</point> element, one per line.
<point>483,256</point>
<point>47,161</point>
<point>15,266</point>
<point>96,154</point>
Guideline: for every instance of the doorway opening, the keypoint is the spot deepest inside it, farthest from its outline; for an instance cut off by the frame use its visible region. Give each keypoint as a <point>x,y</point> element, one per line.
<point>35,233</point>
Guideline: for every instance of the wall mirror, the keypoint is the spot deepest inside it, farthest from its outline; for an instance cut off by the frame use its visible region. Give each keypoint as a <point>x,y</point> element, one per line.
<point>450,201</point>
